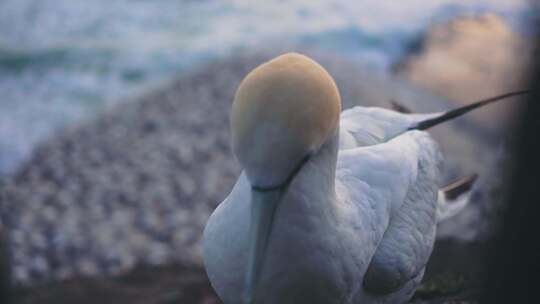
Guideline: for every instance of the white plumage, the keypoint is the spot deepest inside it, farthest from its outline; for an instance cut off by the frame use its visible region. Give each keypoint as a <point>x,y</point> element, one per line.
<point>330,208</point>
<point>345,205</point>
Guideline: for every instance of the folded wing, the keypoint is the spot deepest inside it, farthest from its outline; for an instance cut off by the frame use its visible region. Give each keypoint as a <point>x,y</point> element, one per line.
<point>396,185</point>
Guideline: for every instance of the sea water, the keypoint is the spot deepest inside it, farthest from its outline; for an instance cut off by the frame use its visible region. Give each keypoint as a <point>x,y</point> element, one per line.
<point>62,61</point>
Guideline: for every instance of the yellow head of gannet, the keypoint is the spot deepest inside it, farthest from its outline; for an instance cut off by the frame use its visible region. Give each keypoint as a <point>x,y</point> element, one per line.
<point>283,112</point>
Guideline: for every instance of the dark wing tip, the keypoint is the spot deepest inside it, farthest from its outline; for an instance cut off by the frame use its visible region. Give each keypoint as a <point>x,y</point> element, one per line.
<point>458,187</point>
<point>428,123</point>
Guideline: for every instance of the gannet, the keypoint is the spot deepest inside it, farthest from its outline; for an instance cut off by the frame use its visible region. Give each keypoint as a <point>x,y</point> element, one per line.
<point>330,207</point>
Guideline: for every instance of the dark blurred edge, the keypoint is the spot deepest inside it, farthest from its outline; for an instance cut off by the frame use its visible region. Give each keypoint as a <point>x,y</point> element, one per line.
<point>514,261</point>
<point>5,270</point>
<point>5,282</point>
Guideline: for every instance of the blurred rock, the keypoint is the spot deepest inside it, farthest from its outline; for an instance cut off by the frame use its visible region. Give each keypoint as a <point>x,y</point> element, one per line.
<point>471,58</point>
<point>143,285</point>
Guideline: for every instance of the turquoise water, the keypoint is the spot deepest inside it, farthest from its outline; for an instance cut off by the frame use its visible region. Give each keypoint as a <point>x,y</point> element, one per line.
<point>62,61</point>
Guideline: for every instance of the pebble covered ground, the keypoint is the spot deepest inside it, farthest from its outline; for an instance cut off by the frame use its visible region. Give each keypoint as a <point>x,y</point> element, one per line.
<point>136,185</point>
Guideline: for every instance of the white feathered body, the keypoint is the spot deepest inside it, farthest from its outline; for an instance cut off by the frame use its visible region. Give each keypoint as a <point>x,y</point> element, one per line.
<point>363,207</point>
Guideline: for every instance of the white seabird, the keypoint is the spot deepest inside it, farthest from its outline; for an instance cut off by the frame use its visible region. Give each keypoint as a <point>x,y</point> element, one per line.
<point>331,207</point>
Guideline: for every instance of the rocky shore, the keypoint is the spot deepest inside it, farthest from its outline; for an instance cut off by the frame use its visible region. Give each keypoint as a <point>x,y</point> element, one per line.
<point>468,58</point>
<point>135,186</point>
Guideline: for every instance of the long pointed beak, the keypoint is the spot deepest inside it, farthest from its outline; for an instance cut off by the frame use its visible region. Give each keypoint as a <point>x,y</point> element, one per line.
<point>263,206</point>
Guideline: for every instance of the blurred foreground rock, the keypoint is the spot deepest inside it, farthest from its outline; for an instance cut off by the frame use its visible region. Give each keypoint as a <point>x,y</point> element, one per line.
<point>144,285</point>
<point>471,58</point>
<point>448,280</point>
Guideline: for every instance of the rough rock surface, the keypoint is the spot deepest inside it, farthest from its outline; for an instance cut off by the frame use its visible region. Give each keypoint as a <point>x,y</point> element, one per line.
<point>471,58</point>
<point>137,184</point>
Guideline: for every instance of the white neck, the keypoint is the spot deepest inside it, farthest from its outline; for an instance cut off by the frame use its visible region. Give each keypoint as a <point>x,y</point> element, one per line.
<point>314,184</point>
